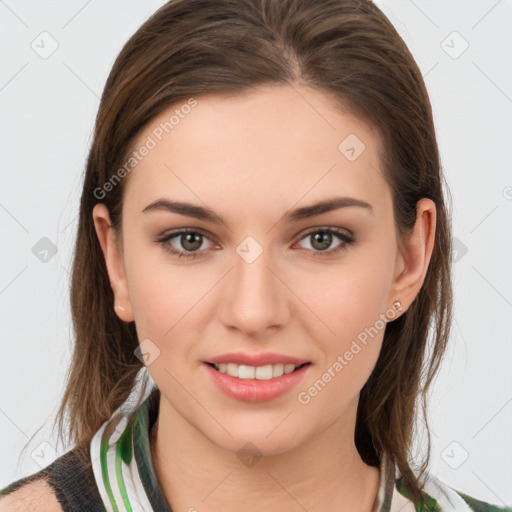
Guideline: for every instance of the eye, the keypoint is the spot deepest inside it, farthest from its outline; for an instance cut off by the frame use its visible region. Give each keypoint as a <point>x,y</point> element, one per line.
<point>187,244</point>
<point>322,238</point>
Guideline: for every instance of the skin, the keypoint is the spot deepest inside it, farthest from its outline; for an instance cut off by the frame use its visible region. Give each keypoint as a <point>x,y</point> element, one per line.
<point>251,158</point>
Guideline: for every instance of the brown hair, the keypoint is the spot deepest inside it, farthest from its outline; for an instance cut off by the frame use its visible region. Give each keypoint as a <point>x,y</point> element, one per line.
<point>346,48</point>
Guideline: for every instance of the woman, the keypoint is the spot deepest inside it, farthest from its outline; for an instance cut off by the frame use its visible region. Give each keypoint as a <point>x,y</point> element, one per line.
<point>263,235</point>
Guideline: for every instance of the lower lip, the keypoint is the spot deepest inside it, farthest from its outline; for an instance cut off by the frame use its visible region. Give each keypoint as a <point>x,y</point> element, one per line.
<point>254,390</point>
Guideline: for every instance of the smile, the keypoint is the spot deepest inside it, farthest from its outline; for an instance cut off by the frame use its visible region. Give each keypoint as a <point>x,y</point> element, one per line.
<point>266,372</point>
<point>254,383</point>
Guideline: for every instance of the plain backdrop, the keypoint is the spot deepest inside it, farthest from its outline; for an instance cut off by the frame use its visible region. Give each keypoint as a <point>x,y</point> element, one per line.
<point>48,105</point>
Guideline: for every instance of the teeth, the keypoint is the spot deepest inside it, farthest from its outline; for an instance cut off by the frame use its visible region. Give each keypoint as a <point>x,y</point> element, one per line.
<point>255,372</point>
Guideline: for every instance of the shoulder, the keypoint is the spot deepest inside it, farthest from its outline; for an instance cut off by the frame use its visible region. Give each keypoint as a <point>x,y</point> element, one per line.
<point>36,494</point>
<point>68,483</point>
<point>443,498</point>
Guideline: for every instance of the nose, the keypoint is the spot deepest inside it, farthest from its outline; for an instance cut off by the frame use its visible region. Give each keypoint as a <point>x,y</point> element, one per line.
<point>254,298</point>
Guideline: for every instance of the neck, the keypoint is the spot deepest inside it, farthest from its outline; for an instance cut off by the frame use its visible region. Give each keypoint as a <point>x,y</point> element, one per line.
<point>324,473</point>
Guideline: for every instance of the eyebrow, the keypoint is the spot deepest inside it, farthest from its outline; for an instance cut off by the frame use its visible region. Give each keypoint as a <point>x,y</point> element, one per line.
<point>305,212</point>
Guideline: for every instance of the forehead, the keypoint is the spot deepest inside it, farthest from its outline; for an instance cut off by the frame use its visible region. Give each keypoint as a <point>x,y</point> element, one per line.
<point>257,150</point>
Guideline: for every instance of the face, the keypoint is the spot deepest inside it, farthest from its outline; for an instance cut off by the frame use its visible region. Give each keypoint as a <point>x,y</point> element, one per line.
<point>315,286</point>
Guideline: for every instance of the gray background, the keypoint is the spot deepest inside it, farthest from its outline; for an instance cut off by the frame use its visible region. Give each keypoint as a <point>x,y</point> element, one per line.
<point>48,108</point>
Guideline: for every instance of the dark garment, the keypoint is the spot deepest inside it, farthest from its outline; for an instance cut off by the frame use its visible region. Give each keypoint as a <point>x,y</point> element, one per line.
<point>72,480</point>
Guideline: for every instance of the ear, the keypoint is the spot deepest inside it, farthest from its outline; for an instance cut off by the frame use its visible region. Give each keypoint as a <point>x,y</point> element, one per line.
<point>114,261</point>
<point>414,255</point>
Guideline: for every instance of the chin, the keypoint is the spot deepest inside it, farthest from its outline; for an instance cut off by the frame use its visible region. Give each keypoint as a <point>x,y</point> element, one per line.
<point>257,440</point>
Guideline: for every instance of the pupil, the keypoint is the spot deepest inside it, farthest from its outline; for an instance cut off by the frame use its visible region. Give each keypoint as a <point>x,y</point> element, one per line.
<point>324,239</point>
<point>189,239</point>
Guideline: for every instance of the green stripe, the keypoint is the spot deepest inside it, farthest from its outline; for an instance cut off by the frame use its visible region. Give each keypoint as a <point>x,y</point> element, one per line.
<point>104,470</point>
<point>123,453</point>
<point>143,419</point>
<point>482,506</point>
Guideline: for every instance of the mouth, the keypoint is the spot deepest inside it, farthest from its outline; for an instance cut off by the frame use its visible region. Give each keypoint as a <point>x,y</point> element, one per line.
<point>246,372</point>
<point>256,383</point>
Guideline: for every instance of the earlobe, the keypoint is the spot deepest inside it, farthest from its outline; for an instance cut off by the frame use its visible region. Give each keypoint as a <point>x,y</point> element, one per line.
<point>415,255</point>
<point>114,262</point>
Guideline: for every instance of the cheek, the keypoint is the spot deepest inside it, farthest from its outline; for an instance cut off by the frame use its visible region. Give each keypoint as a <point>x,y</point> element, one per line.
<point>350,297</point>
<point>353,310</point>
<point>167,308</point>
<point>351,300</point>
<point>165,296</point>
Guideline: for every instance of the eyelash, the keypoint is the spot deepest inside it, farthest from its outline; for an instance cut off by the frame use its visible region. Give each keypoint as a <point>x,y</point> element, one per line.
<point>344,237</point>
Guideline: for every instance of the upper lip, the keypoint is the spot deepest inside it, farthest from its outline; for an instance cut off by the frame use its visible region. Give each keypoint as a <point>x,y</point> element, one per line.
<point>256,359</point>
